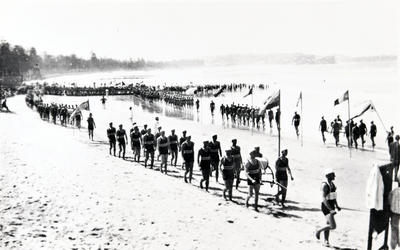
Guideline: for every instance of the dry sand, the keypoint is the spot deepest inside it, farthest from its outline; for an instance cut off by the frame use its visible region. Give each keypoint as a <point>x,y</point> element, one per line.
<point>61,191</point>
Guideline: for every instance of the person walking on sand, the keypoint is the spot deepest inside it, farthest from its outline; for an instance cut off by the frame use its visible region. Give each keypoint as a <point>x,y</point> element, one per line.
<point>122,141</point>
<point>372,133</point>
<point>91,125</point>
<point>215,151</point>
<point>173,147</point>
<point>390,137</point>
<point>204,162</point>
<point>363,131</point>
<point>281,176</point>
<point>237,161</point>
<point>328,205</point>
<point>111,132</point>
<point>212,107</point>
<point>278,118</point>
<point>136,138</point>
<point>187,150</point>
<point>270,117</point>
<point>336,131</point>
<point>253,173</point>
<point>163,145</point>
<point>323,128</point>
<point>395,156</point>
<point>197,105</point>
<point>228,173</point>
<point>296,123</point>
<point>181,141</point>
<point>356,134</point>
<point>148,141</point>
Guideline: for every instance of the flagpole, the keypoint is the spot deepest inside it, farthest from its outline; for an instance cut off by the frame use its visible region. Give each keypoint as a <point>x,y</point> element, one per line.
<point>348,110</point>
<point>279,125</point>
<point>301,111</point>
<point>253,112</point>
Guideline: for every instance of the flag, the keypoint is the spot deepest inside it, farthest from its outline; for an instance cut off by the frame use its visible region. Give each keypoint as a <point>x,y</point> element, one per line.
<point>191,91</point>
<point>250,92</point>
<point>368,106</point>
<point>271,102</point>
<point>300,99</point>
<point>345,97</point>
<point>220,91</point>
<point>84,105</point>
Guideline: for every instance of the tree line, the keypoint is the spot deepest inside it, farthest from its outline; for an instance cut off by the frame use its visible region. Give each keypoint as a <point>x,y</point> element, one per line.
<point>17,61</point>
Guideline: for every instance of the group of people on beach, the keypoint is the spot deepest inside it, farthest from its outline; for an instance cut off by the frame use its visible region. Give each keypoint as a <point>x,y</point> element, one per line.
<point>210,158</point>
<point>353,132</point>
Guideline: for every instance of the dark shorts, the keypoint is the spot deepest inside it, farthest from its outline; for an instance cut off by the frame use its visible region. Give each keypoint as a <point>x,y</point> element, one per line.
<point>257,180</point>
<point>228,174</point>
<point>206,173</point>
<point>324,209</point>
<point>121,141</point>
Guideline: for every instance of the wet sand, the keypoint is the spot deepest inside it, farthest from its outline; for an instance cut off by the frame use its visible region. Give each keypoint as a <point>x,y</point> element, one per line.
<point>61,191</point>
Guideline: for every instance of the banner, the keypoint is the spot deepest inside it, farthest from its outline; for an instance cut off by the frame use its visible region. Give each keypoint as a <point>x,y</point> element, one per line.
<point>220,91</point>
<point>271,102</point>
<point>300,99</point>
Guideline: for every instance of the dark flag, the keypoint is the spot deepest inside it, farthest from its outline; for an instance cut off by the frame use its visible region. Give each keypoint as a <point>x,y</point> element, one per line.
<point>220,91</point>
<point>250,93</point>
<point>345,97</point>
<point>271,102</point>
<point>368,106</point>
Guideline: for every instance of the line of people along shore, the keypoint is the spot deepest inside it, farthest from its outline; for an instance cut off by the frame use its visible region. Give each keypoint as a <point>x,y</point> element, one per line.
<point>211,161</point>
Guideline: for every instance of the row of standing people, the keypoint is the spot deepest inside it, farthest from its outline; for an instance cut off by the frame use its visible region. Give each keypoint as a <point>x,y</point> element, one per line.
<point>209,159</point>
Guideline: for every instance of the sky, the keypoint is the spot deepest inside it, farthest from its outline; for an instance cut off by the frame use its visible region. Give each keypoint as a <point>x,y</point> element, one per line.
<point>191,29</point>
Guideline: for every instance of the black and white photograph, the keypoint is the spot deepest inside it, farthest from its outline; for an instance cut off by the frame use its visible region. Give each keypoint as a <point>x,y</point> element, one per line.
<point>199,124</point>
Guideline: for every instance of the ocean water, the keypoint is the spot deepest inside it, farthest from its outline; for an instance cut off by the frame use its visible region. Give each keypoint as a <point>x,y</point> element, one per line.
<point>320,86</point>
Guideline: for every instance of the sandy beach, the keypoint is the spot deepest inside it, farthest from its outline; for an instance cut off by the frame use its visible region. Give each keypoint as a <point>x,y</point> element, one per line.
<point>61,191</point>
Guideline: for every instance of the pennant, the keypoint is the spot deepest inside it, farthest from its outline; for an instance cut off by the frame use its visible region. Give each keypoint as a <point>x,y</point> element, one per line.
<point>271,102</point>
<point>220,91</point>
<point>368,106</point>
<point>345,97</point>
<point>300,99</point>
<point>84,105</point>
<point>250,93</point>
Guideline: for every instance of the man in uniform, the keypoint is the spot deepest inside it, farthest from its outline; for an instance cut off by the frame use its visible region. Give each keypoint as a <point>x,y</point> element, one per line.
<point>237,161</point>
<point>111,137</point>
<point>187,150</point>
<point>181,141</point>
<point>363,131</point>
<point>173,146</point>
<point>122,141</point>
<point>136,138</point>
<point>296,123</point>
<point>281,170</point>
<point>215,153</point>
<point>228,173</point>
<point>162,145</point>
<point>204,161</point>
<point>148,141</point>
<point>372,132</point>
<point>323,127</point>
<point>91,126</point>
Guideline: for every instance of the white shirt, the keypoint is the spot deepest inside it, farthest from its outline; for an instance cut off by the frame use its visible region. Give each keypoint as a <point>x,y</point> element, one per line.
<point>375,188</point>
